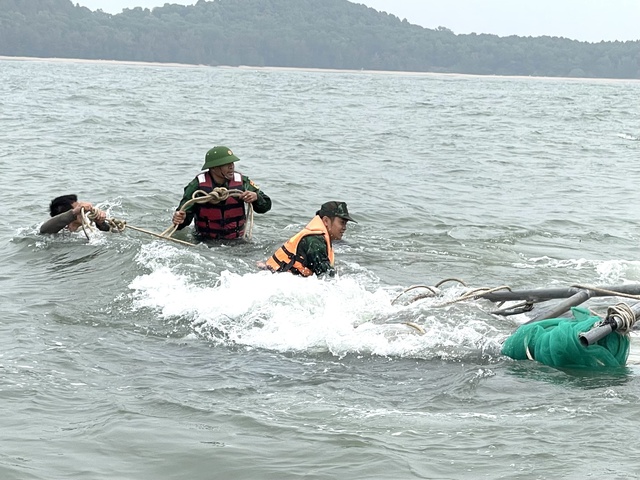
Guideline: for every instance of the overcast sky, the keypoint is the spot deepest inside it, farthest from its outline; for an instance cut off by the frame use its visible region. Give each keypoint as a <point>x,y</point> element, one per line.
<point>586,20</point>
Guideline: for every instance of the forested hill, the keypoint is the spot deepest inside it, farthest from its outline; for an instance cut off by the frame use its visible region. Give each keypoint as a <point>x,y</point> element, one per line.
<point>334,34</point>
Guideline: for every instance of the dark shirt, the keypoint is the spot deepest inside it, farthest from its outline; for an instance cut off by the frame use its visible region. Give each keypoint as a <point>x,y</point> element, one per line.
<point>313,249</point>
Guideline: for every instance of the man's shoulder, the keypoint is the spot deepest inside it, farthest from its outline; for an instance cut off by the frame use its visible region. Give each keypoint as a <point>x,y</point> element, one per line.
<point>196,180</point>
<point>313,241</point>
<point>247,182</point>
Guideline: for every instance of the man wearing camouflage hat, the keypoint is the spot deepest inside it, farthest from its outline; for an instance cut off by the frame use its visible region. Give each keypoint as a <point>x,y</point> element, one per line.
<point>311,250</point>
<point>225,219</point>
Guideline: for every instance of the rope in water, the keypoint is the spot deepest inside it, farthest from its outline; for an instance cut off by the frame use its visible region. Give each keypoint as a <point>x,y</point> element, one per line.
<point>433,291</point>
<point>118,226</point>
<point>473,295</point>
<point>217,195</point>
<point>479,292</point>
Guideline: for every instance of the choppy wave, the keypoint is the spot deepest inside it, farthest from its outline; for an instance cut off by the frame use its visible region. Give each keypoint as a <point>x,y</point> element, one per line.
<point>286,313</point>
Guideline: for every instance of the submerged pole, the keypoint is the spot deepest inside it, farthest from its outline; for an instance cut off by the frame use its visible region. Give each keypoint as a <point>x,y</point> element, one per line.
<point>562,307</point>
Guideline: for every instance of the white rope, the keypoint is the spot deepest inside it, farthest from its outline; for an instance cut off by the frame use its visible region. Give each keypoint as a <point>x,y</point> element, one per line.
<point>624,312</point>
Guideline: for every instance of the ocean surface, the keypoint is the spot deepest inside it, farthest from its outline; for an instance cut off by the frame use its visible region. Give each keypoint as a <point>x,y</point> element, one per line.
<point>125,356</point>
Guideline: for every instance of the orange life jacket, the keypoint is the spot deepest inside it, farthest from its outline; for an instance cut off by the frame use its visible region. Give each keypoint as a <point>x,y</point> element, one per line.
<point>286,258</point>
<point>220,220</point>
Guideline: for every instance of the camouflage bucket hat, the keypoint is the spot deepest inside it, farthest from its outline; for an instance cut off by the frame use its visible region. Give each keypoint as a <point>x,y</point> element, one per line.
<point>335,209</point>
<point>218,156</point>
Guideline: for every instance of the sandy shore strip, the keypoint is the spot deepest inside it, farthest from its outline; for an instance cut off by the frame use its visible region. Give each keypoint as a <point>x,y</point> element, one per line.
<point>99,61</point>
<point>317,70</point>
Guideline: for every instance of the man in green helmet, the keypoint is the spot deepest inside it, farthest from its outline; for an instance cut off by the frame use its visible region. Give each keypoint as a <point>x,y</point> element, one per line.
<point>224,216</point>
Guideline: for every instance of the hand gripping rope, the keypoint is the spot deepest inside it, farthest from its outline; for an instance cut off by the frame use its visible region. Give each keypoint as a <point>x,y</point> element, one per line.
<point>118,226</point>
<point>217,195</point>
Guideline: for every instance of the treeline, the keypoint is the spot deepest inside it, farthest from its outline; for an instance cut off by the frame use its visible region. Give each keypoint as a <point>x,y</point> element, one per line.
<point>295,33</point>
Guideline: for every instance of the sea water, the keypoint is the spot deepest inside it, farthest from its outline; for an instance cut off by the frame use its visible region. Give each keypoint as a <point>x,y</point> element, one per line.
<point>126,356</point>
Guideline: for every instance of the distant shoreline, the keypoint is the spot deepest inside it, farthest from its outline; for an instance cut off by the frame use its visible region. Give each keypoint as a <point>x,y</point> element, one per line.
<point>311,69</point>
<point>92,61</point>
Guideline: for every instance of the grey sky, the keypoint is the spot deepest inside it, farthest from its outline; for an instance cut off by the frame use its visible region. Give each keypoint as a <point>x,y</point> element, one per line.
<point>587,20</point>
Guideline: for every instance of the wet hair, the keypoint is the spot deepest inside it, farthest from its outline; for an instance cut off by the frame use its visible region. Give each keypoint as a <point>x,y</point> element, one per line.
<point>62,204</point>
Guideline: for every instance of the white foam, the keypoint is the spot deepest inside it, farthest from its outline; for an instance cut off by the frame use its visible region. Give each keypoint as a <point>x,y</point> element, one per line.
<point>283,312</point>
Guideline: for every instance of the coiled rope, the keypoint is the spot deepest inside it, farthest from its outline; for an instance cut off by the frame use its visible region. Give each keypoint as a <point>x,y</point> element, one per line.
<point>217,195</point>
<point>626,315</point>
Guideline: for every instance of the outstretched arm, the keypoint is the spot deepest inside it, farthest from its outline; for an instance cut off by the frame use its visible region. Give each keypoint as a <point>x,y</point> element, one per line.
<point>57,223</point>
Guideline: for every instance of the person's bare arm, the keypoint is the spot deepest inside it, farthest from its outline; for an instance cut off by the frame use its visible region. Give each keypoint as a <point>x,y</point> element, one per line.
<point>57,223</point>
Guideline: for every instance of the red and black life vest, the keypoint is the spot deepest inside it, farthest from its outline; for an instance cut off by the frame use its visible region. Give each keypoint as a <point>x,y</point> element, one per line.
<point>224,220</point>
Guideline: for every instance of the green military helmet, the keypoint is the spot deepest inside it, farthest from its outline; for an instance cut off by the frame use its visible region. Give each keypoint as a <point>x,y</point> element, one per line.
<point>218,156</point>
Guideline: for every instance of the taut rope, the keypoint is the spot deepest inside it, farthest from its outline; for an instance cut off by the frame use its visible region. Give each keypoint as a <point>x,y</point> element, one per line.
<point>609,292</point>
<point>118,226</point>
<point>217,195</point>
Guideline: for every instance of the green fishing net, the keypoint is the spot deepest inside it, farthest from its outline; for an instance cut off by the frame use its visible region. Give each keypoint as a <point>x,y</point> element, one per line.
<point>555,342</point>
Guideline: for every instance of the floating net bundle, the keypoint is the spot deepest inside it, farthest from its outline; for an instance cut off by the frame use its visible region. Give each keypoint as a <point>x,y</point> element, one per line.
<point>555,342</point>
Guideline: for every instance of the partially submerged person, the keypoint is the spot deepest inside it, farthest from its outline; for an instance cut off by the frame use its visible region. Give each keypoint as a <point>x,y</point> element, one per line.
<point>66,213</point>
<point>226,219</point>
<point>310,251</point>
